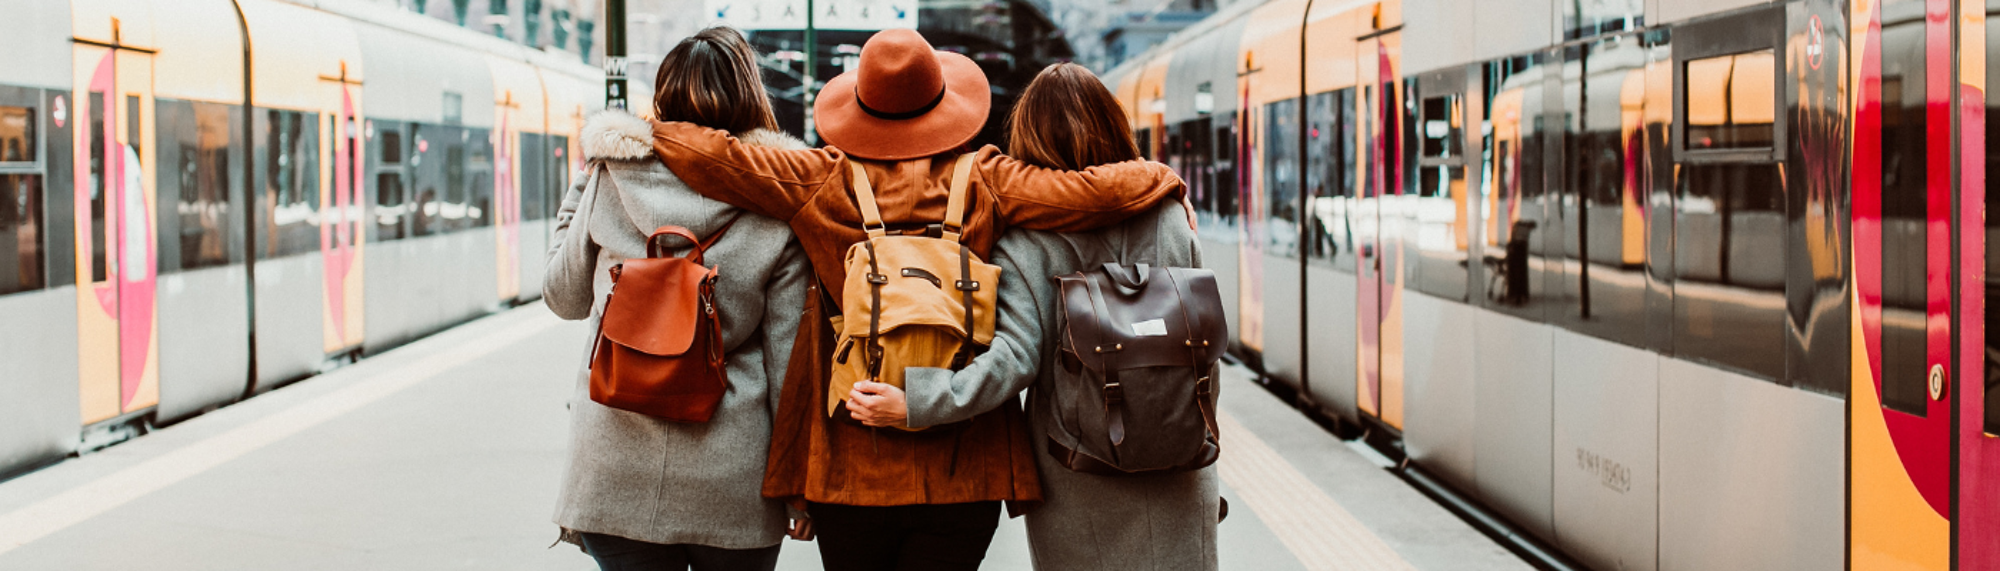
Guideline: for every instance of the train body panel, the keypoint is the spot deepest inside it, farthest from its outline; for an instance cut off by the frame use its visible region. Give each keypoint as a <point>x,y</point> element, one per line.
<point>1751,473</point>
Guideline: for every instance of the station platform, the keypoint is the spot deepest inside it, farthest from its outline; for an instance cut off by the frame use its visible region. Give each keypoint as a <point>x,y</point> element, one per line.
<point>446,454</point>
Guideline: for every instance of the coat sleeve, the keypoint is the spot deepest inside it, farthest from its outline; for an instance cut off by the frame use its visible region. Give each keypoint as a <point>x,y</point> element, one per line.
<point>785,297</point>
<point>567,287</point>
<point>1075,201</point>
<point>768,181</point>
<point>940,396</point>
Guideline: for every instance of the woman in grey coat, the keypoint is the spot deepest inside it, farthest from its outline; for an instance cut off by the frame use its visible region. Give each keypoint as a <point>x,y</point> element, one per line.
<point>1153,522</point>
<point>641,492</point>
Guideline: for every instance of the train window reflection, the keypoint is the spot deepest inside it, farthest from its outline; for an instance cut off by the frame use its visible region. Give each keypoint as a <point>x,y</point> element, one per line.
<point>1332,146</point>
<point>100,246</point>
<point>1442,127</point>
<point>21,233</point>
<point>17,134</point>
<point>290,201</point>
<point>1512,165</point>
<point>196,146</point>
<point>1905,212</point>
<point>1731,101</point>
<point>1280,228</point>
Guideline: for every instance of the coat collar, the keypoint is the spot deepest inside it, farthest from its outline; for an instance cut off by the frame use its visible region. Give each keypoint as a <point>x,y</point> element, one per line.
<point>614,134</point>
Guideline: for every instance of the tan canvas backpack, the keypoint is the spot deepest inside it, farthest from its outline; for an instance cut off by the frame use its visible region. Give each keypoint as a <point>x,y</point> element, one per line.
<point>910,300</point>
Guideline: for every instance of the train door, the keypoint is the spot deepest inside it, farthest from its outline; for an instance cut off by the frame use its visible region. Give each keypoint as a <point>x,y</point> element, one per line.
<point>1978,383</point>
<point>341,237</point>
<point>1379,111</point>
<point>1899,416</point>
<point>115,209</point>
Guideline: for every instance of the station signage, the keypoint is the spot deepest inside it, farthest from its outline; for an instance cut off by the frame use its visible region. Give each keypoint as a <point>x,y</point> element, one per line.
<point>862,15</point>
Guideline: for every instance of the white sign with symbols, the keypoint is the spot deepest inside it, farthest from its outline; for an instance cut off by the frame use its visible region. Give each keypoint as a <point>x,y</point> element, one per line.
<point>864,15</point>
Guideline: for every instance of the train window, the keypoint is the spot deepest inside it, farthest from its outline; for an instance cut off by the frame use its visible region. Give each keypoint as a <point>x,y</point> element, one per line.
<point>1227,178</point>
<point>534,178</point>
<point>1145,141</point>
<point>1905,210</point>
<point>290,201</point>
<point>1731,102</point>
<point>196,145</point>
<point>1332,134</point>
<point>1280,219</point>
<point>479,198</point>
<point>1516,225</point>
<point>1437,211</point>
<point>21,233</point>
<point>1603,226</point>
<point>392,147</point>
<point>1992,302</point>
<point>1443,126</point>
<point>100,245</point>
<point>17,134</point>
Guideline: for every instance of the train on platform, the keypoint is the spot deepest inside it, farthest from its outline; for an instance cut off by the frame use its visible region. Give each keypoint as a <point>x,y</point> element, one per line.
<point>201,200</point>
<point>1693,284</point>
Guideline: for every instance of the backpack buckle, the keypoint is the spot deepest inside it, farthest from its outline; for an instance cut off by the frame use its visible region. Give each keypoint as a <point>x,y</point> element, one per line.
<point>1114,394</point>
<point>1201,387</point>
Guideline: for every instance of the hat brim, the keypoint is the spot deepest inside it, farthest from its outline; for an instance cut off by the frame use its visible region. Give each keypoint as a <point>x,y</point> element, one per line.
<point>958,117</point>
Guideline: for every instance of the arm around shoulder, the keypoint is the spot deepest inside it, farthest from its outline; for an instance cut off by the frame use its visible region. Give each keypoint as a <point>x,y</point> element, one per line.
<point>942,396</point>
<point>772,180</point>
<point>1038,198</point>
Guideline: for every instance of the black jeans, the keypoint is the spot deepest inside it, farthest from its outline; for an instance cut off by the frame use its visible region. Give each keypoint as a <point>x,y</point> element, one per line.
<point>947,537</point>
<point>615,553</point>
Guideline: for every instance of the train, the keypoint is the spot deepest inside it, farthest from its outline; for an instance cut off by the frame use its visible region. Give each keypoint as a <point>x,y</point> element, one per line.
<point>1695,284</point>
<point>202,200</point>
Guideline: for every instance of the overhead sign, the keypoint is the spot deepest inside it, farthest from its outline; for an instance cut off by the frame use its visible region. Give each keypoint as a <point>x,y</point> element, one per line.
<point>863,15</point>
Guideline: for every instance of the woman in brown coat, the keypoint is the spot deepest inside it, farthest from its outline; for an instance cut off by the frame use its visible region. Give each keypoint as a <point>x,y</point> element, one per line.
<point>889,499</point>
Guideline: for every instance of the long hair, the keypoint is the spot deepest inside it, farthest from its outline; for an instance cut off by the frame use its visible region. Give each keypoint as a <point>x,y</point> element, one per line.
<point>712,79</point>
<point>1067,119</point>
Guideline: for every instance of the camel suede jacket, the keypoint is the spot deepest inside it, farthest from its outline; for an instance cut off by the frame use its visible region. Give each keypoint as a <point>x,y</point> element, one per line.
<point>814,459</point>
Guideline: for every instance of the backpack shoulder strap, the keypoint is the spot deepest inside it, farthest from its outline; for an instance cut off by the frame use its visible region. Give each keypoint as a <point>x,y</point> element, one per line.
<point>954,210</point>
<point>871,215</point>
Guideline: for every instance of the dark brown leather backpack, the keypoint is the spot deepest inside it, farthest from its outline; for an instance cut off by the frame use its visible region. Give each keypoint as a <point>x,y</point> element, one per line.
<point>1136,390</point>
<point>659,345</point>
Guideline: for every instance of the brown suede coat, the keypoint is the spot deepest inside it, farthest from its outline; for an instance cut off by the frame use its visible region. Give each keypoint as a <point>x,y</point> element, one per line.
<point>813,458</point>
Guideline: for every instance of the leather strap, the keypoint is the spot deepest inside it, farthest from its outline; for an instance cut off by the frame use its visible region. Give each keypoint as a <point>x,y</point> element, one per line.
<point>954,209</point>
<point>1114,392</point>
<point>875,282</point>
<point>871,215</point>
<point>965,286</point>
<point>1204,387</point>
<point>653,241</point>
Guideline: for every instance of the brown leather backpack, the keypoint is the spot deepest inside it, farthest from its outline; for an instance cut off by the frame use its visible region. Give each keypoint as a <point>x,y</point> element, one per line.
<point>910,301</point>
<point>659,345</point>
<point>1136,390</point>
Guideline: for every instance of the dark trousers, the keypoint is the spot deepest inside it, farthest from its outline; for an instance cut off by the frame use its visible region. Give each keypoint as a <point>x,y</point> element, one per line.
<point>948,537</point>
<point>615,553</point>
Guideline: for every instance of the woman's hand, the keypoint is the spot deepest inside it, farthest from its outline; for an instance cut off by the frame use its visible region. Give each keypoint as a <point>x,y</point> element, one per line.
<point>878,404</point>
<point>801,529</point>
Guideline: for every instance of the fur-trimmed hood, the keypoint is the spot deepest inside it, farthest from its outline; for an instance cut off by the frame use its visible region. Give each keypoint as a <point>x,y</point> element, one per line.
<point>616,135</point>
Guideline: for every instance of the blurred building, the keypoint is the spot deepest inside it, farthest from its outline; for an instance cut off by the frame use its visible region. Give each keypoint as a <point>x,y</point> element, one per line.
<point>1012,40</point>
<point>560,25</point>
<point>1106,33</point>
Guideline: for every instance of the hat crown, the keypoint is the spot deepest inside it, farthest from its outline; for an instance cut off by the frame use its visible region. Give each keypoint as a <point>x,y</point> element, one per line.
<point>899,73</point>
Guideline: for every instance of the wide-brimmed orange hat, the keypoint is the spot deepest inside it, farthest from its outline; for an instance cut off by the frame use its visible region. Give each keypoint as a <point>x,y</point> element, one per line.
<point>904,101</point>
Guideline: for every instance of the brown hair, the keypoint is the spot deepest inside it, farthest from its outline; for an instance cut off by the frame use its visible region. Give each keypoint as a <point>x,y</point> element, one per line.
<point>712,79</point>
<point>1067,119</point>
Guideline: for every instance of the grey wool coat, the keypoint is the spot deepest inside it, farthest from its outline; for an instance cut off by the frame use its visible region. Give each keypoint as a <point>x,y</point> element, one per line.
<point>1149,523</point>
<point>632,475</point>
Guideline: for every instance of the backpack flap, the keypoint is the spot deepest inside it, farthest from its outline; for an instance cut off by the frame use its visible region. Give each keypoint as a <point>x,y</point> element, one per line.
<point>1131,318</point>
<point>922,287</point>
<point>663,303</point>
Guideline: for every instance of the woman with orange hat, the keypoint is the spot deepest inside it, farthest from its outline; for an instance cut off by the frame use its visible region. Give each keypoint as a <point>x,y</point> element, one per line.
<point>1165,521</point>
<point>891,499</point>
